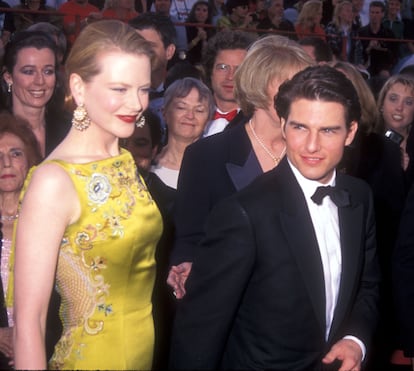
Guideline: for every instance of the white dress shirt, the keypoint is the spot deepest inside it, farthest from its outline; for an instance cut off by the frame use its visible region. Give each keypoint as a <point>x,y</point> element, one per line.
<point>326,225</point>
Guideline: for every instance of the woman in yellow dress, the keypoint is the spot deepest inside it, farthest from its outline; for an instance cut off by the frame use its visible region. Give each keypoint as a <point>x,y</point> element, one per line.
<point>88,221</point>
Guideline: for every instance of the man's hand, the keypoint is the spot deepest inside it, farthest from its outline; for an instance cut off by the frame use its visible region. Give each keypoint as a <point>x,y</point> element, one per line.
<point>178,276</point>
<point>347,351</point>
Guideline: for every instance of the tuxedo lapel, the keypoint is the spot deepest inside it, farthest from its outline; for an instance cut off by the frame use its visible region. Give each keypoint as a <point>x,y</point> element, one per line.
<point>297,225</point>
<point>351,224</point>
<point>242,165</point>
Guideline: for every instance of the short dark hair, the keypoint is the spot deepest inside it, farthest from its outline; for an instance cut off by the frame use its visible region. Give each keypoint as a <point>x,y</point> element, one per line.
<point>323,52</point>
<point>160,23</point>
<point>322,83</point>
<point>377,4</point>
<point>224,40</point>
<point>10,124</point>
<point>231,4</point>
<point>181,88</point>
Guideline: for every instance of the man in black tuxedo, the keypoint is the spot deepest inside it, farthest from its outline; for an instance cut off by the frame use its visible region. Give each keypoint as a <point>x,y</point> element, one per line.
<point>287,279</point>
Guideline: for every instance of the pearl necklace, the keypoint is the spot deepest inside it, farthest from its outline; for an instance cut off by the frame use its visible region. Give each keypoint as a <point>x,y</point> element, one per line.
<point>8,218</point>
<point>275,159</point>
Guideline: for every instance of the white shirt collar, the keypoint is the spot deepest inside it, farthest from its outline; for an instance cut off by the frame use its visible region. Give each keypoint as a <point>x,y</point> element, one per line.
<point>309,186</point>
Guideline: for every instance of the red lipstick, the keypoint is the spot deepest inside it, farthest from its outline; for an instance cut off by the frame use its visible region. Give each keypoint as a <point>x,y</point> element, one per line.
<point>127,118</point>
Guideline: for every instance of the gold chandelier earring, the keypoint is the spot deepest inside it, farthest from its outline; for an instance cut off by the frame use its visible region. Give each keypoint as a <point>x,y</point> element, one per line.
<point>80,120</point>
<point>140,122</point>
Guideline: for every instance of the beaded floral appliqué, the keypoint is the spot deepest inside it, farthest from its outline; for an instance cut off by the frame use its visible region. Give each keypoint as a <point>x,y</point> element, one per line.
<point>99,188</point>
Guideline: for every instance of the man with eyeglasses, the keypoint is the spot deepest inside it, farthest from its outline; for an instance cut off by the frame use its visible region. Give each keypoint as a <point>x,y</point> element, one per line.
<point>224,53</point>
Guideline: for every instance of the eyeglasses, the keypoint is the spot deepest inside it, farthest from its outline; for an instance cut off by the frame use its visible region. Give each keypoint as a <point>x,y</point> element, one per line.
<point>225,68</point>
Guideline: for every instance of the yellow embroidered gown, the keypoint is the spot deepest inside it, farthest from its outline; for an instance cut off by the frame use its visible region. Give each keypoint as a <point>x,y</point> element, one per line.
<point>106,269</point>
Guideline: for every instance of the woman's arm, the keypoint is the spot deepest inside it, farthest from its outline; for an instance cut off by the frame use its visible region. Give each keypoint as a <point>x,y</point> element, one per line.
<point>49,206</point>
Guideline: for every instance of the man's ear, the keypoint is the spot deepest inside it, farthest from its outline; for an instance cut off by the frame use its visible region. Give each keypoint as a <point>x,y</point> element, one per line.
<point>351,133</point>
<point>77,88</point>
<point>170,51</point>
<point>283,126</point>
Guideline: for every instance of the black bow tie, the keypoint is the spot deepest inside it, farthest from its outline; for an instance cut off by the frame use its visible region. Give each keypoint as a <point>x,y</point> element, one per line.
<point>339,197</point>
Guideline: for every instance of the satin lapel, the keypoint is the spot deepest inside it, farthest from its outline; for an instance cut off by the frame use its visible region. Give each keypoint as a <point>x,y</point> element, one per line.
<point>351,224</point>
<point>243,175</point>
<point>300,234</point>
<point>242,165</point>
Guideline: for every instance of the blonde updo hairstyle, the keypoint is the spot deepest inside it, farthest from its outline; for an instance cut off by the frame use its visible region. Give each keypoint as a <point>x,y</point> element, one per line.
<point>270,58</point>
<point>101,37</point>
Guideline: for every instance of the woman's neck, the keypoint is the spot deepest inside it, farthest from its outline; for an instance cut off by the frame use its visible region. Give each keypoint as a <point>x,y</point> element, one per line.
<point>265,134</point>
<point>93,144</point>
<point>9,202</point>
<point>267,127</point>
<point>34,116</point>
<point>172,154</point>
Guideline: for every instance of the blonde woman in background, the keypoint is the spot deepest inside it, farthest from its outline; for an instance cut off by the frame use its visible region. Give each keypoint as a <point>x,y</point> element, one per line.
<point>220,165</point>
<point>309,20</point>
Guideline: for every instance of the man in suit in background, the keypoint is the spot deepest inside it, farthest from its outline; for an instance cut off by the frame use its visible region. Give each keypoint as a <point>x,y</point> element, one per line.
<point>287,277</point>
<point>160,32</point>
<point>224,53</point>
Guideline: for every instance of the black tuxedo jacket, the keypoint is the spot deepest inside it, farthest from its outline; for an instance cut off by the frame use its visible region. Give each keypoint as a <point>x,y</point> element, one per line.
<point>403,277</point>
<point>212,168</point>
<point>256,298</point>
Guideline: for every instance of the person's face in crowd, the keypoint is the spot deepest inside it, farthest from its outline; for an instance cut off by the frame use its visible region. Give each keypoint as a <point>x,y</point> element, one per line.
<point>276,9</point>
<point>162,54</point>
<point>394,7</point>
<point>33,77</point>
<point>33,4</point>
<point>115,99</point>
<point>346,15</point>
<point>375,15</point>
<point>260,5</point>
<point>201,13</point>
<point>240,11</point>
<point>162,6</point>
<point>140,146</point>
<point>13,163</point>
<point>222,78</point>
<point>316,134</point>
<point>358,5</point>
<point>398,108</point>
<point>187,117</point>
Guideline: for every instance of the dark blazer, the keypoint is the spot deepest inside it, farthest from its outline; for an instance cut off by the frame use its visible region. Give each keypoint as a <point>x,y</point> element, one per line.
<point>256,298</point>
<point>212,168</point>
<point>403,277</point>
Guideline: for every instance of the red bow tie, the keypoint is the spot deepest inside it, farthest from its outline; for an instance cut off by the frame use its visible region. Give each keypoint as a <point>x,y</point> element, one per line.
<point>228,116</point>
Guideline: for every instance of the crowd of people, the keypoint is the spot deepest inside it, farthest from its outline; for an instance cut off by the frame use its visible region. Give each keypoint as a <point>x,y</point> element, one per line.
<point>199,184</point>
